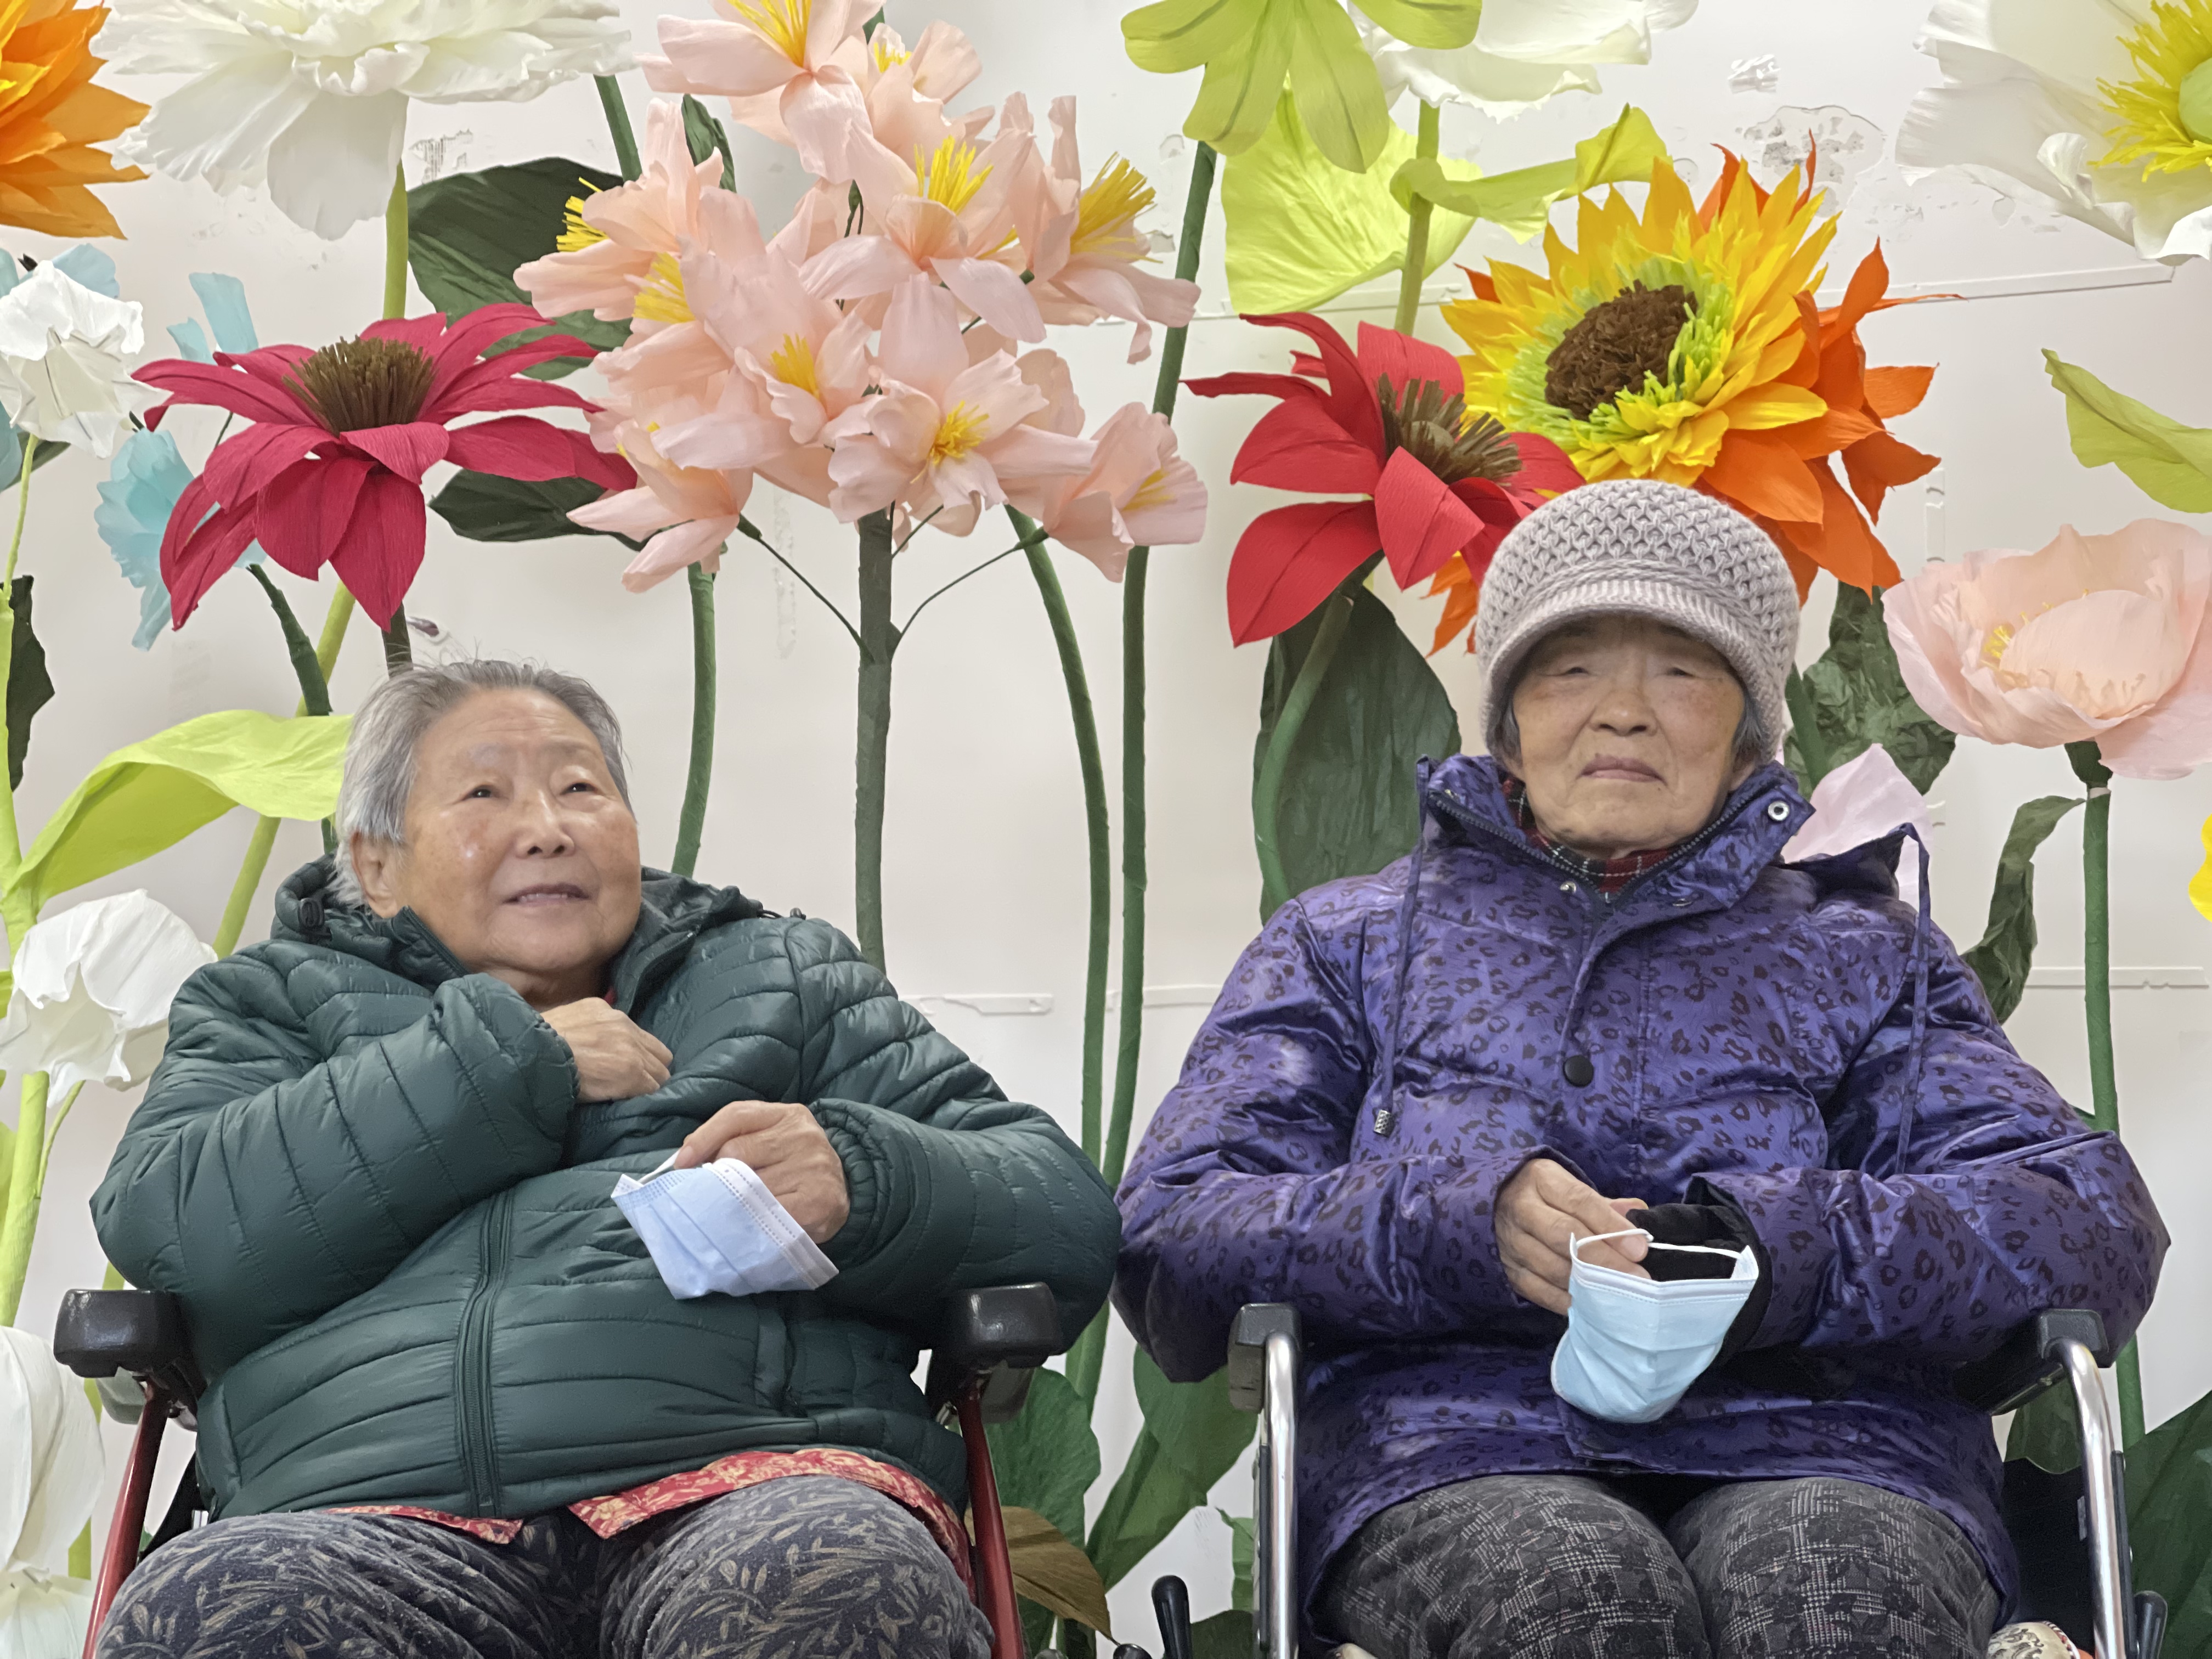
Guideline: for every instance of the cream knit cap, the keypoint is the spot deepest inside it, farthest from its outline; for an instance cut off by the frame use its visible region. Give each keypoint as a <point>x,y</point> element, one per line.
<point>1639,548</point>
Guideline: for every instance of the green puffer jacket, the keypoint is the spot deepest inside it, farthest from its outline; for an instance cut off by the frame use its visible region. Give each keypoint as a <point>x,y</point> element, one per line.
<point>366,1173</point>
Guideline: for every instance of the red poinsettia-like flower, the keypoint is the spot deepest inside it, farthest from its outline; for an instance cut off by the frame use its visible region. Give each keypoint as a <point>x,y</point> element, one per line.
<point>331,472</point>
<point>1389,424</point>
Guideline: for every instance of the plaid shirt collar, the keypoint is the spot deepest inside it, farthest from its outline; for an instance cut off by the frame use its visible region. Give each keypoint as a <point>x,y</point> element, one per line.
<point>1608,876</point>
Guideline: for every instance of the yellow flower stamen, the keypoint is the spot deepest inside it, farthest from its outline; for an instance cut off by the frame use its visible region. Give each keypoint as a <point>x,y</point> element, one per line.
<point>784,22</point>
<point>1105,218</point>
<point>662,299</point>
<point>2163,118</point>
<point>950,176</point>
<point>792,364</point>
<point>960,431</point>
<point>580,233</point>
<point>1152,492</point>
<point>884,56</point>
<point>1994,647</point>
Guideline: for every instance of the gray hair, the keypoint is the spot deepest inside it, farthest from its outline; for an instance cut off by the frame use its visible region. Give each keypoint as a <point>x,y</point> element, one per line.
<point>380,759</point>
<point>1752,740</point>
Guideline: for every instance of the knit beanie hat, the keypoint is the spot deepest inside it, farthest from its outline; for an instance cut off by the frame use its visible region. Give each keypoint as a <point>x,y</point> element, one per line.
<point>1640,548</point>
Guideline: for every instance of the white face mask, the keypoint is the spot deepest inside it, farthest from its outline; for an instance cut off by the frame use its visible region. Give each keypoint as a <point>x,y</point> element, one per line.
<point>1634,1346</point>
<point>718,1228</point>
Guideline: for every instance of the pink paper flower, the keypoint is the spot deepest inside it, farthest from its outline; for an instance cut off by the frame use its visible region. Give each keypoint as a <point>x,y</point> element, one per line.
<point>1138,493</point>
<point>791,70</point>
<point>687,512</point>
<point>906,91</point>
<point>2093,637</point>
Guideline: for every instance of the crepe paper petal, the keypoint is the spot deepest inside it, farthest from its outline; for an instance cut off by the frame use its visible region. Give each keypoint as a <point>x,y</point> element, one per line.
<point>1836,430</point>
<point>223,299</point>
<point>302,513</point>
<point>409,450</point>
<point>1432,25</point>
<point>1860,801</point>
<point>1899,390</point>
<point>535,451</point>
<point>1764,474</point>
<point>1334,83</point>
<point>192,341</point>
<point>382,547</point>
<point>1290,559</point>
<point>248,462</point>
<point>1405,360</point>
<point>88,266</point>
<point>92,989</point>
<point>2169,462</point>
<point>1421,522</point>
<point>1352,400</point>
<point>1296,446</point>
<point>1879,463</point>
<point>225,388</point>
<point>137,499</point>
<point>50,1466</point>
<point>1175,35</point>
<point>1237,99</point>
<point>1522,201</point>
<point>1545,467</point>
<point>1270,386</point>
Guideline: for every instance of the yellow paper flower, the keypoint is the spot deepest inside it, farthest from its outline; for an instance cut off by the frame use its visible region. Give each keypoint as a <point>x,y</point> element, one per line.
<point>50,118</point>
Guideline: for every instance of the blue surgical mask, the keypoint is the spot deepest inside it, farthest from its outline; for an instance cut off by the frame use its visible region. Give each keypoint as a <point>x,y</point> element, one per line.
<point>1634,1346</point>
<point>718,1228</point>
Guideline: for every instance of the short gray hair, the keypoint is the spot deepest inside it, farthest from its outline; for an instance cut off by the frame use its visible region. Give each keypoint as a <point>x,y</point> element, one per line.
<point>379,758</point>
<point>1752,740</point>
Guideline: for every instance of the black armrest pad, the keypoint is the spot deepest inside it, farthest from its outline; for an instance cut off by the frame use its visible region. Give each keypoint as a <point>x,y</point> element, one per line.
<point>1247,1349</point>
<point>99,1333</point>
<point>2028,1359</point>
<point>1000,1334</point>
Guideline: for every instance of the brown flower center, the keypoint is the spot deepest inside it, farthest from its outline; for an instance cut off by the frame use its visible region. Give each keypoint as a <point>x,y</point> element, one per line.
<point>363,383</point>
<point>1615,347</point>
<point>1435,430</point>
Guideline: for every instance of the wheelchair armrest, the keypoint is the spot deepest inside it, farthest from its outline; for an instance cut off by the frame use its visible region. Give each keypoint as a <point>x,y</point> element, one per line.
<point>998,1335</point>
<point>99,1333</point>
<point>2028,1359</point>
<point>1247,1349</point>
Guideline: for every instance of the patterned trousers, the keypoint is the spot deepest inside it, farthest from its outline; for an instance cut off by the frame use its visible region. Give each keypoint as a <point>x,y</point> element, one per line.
<point>809,1567</point>
<point>1558,1566</point>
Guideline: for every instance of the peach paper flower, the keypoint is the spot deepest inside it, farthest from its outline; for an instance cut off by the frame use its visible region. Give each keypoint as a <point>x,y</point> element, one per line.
<point>1138,492</point>
<point>2093,637</point>
<point>906,91</point>
<point>791,70</point>
<point>687,512</point>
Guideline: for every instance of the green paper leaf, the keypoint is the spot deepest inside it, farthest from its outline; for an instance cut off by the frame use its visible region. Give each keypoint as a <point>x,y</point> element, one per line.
<point>2043,1432</point>
<point>1224,1636</point>
<point>1240,1559</point>
<point>1339,96</point>
<point>1437,25</point>
<point>2169,462</point>
<point>1236,99</point>
<point>2007,950</point>
<point>2170,1523</point>
<point>1857,699</point>
<point>1176,35</point>
<point>7,1168</point>
<point>704,136</point>
<point>152,794</point>
<point>1348,805</point>
<point>30,688</point>
<point>1191,1437</point>
<point>467,232</point>
<point>1623,153</point>
<point>486,508</point>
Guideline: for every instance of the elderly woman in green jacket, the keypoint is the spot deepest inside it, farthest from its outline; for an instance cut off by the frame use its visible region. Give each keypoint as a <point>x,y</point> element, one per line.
<point>454,1411</point>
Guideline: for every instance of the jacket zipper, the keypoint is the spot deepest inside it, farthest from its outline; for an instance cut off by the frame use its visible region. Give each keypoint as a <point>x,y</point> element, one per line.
<point>1458,811</point>
<point>495,1247</point>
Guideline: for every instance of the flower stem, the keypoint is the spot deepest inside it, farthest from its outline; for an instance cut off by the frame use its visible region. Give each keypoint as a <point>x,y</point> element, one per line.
<point>395,245</point>
<point>611,100</point>
<point>1416,230</point>
<point>20,1219</point>
<point>692,822</point>
<point>314,691</point>
<point>1268,788</point>
<point>11,843</point>
<point>398,655</point>
<point>879,639</point>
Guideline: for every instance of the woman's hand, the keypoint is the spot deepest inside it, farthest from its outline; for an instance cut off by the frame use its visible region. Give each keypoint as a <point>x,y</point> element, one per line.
<point>1536,1211</point>
<point>787,1149</point>
<point>615,1058</point>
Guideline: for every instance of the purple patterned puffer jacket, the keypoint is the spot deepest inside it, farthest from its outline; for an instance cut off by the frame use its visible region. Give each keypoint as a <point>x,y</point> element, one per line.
<point>1393,1048</point>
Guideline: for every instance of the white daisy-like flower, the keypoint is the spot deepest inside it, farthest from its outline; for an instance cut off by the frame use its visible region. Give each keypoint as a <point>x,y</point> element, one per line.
<point>63,354</point>
<point>51,1464</point>
<point>93,988</point>
<point>1524,52</point>
<point>311,96</point>
<point>2102,110</point>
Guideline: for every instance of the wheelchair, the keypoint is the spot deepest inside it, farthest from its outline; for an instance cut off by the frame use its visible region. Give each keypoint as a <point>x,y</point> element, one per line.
<point>988,1344</point>
<point>1263,1378</point>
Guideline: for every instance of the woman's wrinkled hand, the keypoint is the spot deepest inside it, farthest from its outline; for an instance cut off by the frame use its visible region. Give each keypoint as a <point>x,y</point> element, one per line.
<point>786,1148</point>
<point>614,1057</point>
<point>1537,1210</point>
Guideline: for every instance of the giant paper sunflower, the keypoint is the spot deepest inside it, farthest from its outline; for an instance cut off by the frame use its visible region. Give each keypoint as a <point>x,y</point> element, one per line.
<point>51,117</point>
<point>1684,344</point>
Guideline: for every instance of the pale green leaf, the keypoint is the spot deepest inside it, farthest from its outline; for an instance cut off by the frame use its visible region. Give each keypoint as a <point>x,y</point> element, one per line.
<point>1236,99</point>
<point>1340,95</point>
<point>152,794</point>
<point>7,1165</point>
<point>2169,462</point>
<point>1191,1437</point>
<point>2007,949</point>
<point>1224,1636</point>
<point>1046,1457</point>
<point>1437,25</point>
<point>1052,1572</point>
<point>1176,35</point>
<point>1522,201</point>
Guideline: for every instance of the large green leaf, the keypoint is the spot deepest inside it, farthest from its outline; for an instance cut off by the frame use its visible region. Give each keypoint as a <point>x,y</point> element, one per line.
<point>1053,1578</point>
<point>1339,96</point>
<point>1192,1436</point>
<point>1623,153</point>
<point>153,794</point>
<point>1224,1636</point>
<point>703,135</point>
<point>1046,1457</point>
<point>1249,49</point>
<point>2007,950</point>
<point>29,688</point>
<point>486,508</point>
<point>2043,1432</point>
<point>2170,1523</point>
<point>1854,697</point>
<point>467,232</point>
<point>2169,462</point>
<point>1348,805</point>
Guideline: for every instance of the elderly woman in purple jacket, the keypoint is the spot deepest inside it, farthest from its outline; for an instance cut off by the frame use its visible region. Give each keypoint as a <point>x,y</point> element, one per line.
<point>1595,1014</point>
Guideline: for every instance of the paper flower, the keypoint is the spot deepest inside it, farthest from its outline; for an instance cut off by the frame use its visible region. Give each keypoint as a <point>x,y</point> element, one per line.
<point>1524,52</point>
<point>135,500</point>
<point>2093,637</point>
<point>1139,492</point>
<point>331,472</point>
<point>1684,346</point>
<point>62,352</point>
<point>687,512</point>
<point>1390,426</point>
<point>906,91</point>
<point>52,119</point>
<point>1862,801</point>
<point>312,96</point>
<point>2103,112</point>
<point>50,1465</point>
<point>790,69</point>
<point>93,988</point>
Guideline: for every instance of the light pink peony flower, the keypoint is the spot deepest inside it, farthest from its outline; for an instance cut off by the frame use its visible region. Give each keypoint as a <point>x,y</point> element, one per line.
<point>791,70</point>
<point>2093,637</point>
<point>1139,492</point>
<point>687,512</point>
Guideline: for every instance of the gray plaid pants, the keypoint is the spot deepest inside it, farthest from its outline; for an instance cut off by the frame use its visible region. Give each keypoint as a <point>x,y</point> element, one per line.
<point>809,1567</point>
<point>1560,1567</point>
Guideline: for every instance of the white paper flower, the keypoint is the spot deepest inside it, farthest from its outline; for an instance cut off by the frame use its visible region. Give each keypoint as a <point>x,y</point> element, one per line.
<point>1524,52</point>
<point>49,1469</point>
<point>2103,111</point>
<point>312,95</point>
<point>62,352</point>
<point>93,989</point>
<point>1862,801</point>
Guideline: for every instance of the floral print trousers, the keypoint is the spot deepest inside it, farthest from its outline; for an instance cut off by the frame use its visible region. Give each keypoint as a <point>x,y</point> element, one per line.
<point>809,1567</point>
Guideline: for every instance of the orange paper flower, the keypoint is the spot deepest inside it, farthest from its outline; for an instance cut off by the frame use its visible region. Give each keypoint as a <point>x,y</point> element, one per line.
<point>1685,344</point>
<point>50,118</point>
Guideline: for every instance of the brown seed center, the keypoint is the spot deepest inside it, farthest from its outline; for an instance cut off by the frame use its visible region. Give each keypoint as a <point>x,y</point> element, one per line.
<point>1433,427</point>
<point>1615,347</point>
<point>363,383</point>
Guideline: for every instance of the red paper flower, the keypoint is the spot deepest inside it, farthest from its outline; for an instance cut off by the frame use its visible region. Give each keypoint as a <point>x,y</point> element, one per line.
<point>1388,425</point>
<point>331,472</point>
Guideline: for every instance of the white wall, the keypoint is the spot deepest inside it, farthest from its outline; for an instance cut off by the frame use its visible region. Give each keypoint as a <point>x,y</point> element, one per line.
<point>985,876</point>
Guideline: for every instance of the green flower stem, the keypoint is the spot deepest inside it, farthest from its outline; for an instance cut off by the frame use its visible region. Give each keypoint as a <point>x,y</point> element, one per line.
<point>314,691</point>
<point>395,245</point>
<point>1268,791</point>
<point>11,841</point>
<point>398,655</point>
<point>879,639</point>
<point>21,1215</point>
<point>611,100</point>
<point>1425,143</point>
<point>692,822</point>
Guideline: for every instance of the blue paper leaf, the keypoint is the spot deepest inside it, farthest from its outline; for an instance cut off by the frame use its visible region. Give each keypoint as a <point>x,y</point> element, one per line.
<point>191,340</point>
<point>147,476</point>
<point>87,265</point>
<point>223,299</point>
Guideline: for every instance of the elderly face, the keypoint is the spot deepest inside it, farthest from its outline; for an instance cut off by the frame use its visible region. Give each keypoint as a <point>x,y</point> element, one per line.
<point>521,855</point>
<point>1627,735</point>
